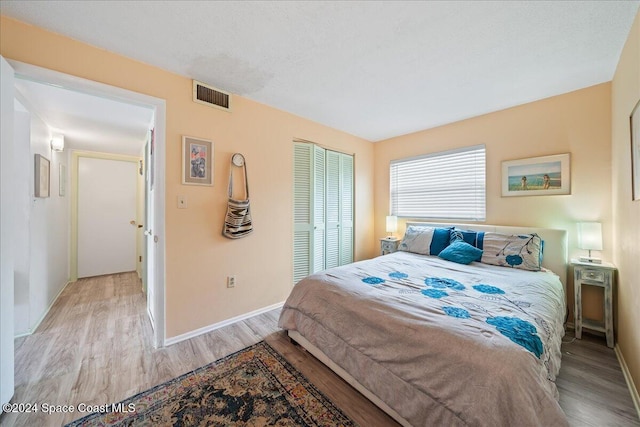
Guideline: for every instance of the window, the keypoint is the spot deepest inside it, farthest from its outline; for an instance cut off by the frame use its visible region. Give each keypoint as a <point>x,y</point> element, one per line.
<point>445,185</point>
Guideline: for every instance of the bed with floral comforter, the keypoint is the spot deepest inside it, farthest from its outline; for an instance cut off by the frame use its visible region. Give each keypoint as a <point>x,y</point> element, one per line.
<point>440,343</point>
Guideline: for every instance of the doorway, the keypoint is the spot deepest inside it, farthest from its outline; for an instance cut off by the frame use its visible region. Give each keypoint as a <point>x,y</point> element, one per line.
<point>154,262</point>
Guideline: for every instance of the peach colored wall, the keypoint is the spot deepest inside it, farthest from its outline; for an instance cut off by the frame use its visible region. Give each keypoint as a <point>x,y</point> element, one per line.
<point>578,123</point>
<point>198,258</point>
<point>625,93</point>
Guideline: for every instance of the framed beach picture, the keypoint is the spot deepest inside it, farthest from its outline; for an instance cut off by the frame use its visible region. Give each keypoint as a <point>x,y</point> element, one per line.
<point>635,152</point>
<point>41,176</point>
<point>537,176</point>
<point>197,161</point>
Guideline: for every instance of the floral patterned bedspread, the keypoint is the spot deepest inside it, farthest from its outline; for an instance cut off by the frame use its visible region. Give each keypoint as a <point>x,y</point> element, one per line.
<point>439,342</point>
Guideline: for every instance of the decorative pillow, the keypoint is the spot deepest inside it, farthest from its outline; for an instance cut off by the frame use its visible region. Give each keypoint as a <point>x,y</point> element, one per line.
<point>474,238</point>
<point>461,252</point>
<point>424,240</point>
<point>517,251</point>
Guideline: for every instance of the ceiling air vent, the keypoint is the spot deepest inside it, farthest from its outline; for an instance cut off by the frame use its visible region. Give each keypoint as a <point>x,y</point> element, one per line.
<point>208,95</point>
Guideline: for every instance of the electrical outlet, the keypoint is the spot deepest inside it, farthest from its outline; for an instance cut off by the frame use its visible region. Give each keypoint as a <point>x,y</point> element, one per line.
<point>182,202</point>
<point>231,281</point>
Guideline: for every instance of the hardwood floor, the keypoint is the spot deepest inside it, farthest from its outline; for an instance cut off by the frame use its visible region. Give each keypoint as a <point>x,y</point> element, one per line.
<point>95,347</point>
<point>593,391</point>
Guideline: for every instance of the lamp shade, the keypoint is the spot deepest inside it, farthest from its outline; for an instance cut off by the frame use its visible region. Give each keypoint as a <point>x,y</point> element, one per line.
<point>392,224</point>
<point>590,236</point>
<point>57,143</point>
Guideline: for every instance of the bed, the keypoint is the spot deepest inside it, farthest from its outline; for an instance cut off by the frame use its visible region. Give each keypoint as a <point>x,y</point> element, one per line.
<point>435,342</point>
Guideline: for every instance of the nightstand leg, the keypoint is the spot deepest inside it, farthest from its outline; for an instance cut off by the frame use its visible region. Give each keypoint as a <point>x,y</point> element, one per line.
<point>578,310</point>
<point>608,315</point>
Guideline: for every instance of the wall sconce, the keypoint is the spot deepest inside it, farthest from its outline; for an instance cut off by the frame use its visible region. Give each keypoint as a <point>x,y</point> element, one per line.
<point>392,225</point>
<point>57,143</point>
<point>590,238</point>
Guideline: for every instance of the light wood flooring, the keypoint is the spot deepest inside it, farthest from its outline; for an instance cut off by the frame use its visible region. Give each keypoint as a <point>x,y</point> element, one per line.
<point>95,347</point>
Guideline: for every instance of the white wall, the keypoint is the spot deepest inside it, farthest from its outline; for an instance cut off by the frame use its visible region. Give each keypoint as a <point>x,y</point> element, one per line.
<point>48,229</point>
<point>22,200</point>
<point>7,216</point>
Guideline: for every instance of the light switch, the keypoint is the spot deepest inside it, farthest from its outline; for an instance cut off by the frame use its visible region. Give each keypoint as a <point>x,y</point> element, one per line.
<point>182,202</point>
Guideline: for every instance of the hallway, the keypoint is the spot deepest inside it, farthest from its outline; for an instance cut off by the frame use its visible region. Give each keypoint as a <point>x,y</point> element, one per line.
<point>95,347</point>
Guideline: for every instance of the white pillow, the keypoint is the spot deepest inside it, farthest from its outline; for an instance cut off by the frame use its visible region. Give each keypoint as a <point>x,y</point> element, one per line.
<point>517,251</point>
<point>425,240</point>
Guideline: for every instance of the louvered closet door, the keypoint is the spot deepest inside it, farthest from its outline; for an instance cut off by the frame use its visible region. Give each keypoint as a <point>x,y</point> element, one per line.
<point>332,194</point>
<point>319,215</point>
<point>339,200</point>
<point>323,209</point>
<point>302,210</point>
<point>346,209</point>
<point>309,210</point>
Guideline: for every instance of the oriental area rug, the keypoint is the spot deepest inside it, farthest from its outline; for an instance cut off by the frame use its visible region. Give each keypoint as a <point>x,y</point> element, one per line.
<point>253,387</point>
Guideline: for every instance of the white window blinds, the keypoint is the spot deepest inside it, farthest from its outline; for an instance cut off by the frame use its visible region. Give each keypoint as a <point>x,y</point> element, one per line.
<point>445,185</point>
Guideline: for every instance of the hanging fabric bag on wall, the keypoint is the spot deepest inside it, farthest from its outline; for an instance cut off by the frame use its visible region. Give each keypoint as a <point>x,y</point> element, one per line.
<point>237,222</point>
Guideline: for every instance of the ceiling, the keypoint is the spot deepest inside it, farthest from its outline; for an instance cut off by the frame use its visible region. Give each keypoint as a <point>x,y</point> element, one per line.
<point>88,122</point>
<point>374,69</point>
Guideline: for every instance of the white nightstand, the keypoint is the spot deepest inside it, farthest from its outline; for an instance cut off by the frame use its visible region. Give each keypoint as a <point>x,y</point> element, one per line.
<point>388,245</point>
<point>600,275</point>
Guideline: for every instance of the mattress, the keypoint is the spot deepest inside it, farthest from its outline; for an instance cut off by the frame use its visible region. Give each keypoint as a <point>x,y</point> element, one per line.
<point>440,343</point>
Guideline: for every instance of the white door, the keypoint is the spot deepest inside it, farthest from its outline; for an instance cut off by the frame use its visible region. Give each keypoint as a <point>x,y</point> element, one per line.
<point>106,216</point>
<point>149,252</point>
<point>6,231</point>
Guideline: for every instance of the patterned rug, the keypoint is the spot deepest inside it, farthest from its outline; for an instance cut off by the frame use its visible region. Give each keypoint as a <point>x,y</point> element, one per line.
<point>253,387</point>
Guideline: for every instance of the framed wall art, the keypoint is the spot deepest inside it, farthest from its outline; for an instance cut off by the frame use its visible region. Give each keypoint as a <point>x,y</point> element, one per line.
<point>42,166</point>
<point>537,176</point>
<point>634,120</point>
<point>197,161</point>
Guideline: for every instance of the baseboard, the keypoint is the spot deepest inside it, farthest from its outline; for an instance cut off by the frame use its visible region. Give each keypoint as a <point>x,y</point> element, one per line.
<point>205,329</point>
<point>627,376</point>
<point>23,334</point>
<point>31,330</point>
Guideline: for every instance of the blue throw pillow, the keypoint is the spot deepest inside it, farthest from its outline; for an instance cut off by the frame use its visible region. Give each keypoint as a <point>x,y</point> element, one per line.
<point>440,240</point>
<point>461,252</point>
<point>474,238</point>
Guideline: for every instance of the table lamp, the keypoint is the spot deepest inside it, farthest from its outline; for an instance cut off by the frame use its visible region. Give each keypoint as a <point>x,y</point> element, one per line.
<point>392,225</point>
<point>590,238</point>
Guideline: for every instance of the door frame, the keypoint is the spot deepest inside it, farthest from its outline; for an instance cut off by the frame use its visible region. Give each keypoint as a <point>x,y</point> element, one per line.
<point>147,238</point>
<point>8,211</point>
<point>90,87</point>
